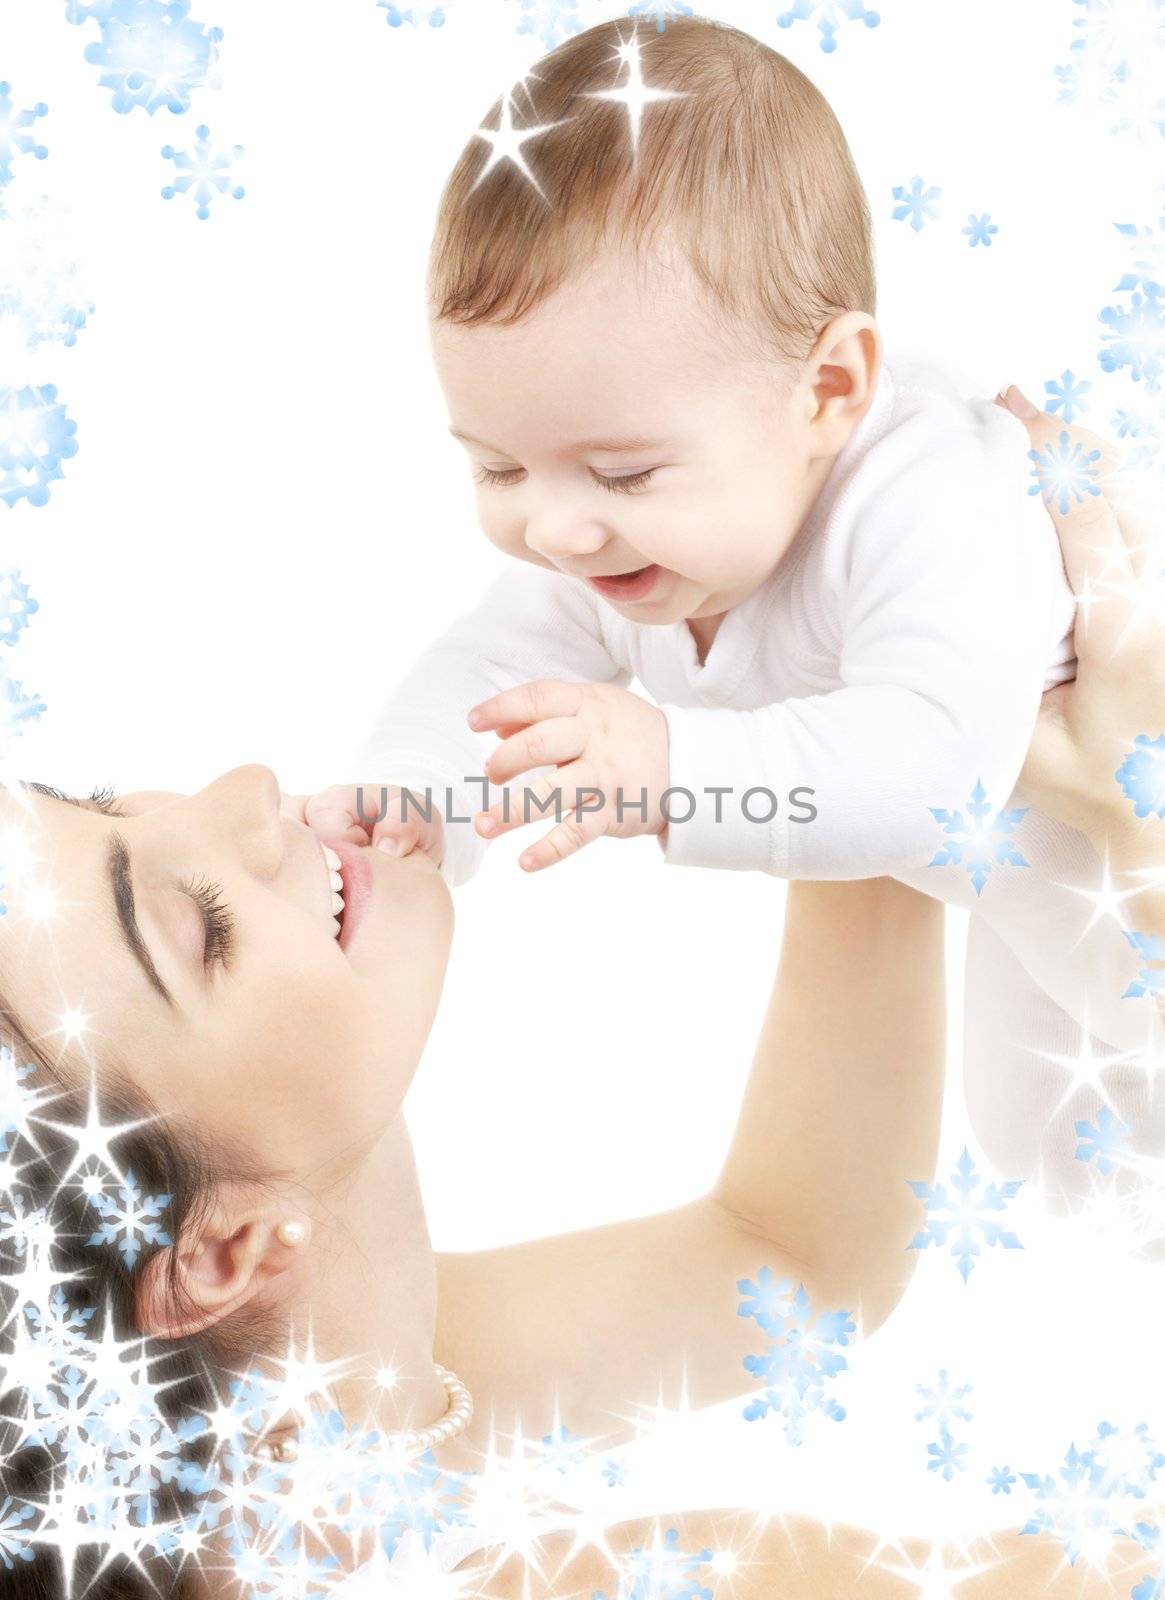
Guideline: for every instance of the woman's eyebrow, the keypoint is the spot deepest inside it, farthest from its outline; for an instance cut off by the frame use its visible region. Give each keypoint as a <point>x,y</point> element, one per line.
<point>120,871</point>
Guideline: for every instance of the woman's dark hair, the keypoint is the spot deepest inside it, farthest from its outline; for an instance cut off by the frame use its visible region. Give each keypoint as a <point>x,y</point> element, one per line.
<point>167,1158</point>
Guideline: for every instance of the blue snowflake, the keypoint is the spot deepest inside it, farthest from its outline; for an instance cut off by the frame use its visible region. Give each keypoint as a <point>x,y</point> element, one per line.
<point>416,15</point>
<point>1088,1501</point>
<point>1129,1459</point>
<point>663,1573</point>
<point>1151,1538</point>
<point>615,1472</point>
<point>135,1219</point>
<point>1066,396</point>
<point>943,1403</point>
<point>563,1449</point>
<point>1001,1480</point>
<point>1150,980</point>
<point>658,11</point>
<point>969,1213</point>
<point>1135,336</point>
<point>550,20</point>
<point>35,437</point>
<point>18,1229</point>
<point>802,1358</point>
<point>1064,473</point>
<point>38,292</point>
<point>1100,1141</point>
<point>14,1535</point>
<point>981,229</point>
<point>830,16</point>
<point>289,1570</point>
<point>1142,775</point>
<point>59,1327</point>
<point>1112,57</point>
<point>918,203</point>
<point>1131,424</point>
<point>15,606</point>
<point>947,1457</point>
<point>983,842</point>
<point>17,708</point>
<point>1074,1505</point>
<point>79,11</point>
<point>1149,267</point>
<point>425,1500</point>
<point>202,172</point>
<point>16,139</point>
<point>253,1399</point>
<point>18,1099</point>
<point>151,53</point>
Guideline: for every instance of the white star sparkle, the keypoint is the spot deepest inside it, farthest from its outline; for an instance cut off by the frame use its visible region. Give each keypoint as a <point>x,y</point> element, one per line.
<point>634,94</point>
<point>506,143</point>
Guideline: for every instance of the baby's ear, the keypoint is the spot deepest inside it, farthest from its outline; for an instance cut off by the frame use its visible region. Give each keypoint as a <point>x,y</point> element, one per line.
<point>220,1263</point>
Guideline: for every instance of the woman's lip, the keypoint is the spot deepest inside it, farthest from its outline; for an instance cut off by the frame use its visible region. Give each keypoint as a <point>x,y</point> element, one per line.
<point>356,871</point>
<point>627,587</point>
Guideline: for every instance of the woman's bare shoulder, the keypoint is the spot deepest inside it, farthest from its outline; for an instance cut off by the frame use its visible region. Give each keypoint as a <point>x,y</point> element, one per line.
<point>570,1324</point>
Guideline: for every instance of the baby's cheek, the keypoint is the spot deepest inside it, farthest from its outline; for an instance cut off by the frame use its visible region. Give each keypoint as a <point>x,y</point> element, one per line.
<point>502,529</point>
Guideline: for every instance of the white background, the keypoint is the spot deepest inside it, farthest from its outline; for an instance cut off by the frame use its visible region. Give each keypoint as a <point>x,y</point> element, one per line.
<point>266,520</point>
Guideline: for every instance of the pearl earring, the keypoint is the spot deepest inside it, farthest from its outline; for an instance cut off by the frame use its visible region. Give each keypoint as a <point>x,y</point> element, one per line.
<point>291,1233</point>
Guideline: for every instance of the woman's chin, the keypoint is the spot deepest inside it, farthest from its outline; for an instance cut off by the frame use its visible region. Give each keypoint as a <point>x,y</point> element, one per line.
<point>403,914</point>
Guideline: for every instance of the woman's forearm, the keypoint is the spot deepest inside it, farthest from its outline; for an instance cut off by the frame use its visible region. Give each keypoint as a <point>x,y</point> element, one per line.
<point>843,1102</point>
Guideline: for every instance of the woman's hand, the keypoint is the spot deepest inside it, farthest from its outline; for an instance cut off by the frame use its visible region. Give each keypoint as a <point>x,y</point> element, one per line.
<point>1086,729</point>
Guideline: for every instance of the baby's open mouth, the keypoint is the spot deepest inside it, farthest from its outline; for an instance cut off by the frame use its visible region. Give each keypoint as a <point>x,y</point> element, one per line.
<point>627,585</point>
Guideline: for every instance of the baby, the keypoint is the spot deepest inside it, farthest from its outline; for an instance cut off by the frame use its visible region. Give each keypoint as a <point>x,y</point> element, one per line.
<point>654,326</point>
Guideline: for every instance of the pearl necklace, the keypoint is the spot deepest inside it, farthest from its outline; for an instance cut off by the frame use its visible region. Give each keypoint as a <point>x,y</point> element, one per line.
<point>416,1441</point>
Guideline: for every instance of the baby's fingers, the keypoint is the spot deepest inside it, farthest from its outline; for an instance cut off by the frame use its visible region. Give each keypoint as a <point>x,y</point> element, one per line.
<point>570,836</point>
<point>332,815</point>
<point>398,837</point>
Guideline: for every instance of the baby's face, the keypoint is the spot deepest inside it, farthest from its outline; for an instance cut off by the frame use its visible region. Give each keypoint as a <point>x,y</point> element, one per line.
<point>614,430</point>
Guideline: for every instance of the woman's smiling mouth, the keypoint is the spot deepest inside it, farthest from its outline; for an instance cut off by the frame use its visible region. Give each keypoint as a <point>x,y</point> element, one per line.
<point>337,881</point>
<point>355,874</point>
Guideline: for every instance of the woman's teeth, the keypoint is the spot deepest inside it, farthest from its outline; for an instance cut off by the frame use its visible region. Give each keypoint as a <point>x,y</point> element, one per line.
<point>337,883</point>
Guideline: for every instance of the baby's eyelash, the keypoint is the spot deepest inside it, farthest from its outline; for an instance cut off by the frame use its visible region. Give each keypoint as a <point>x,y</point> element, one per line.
<point>625,485</point>
<point>216,918</point>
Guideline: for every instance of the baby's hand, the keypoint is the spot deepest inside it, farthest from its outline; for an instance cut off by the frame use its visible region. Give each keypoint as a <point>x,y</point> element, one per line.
<point>600,737</point>
<point>353,812</point>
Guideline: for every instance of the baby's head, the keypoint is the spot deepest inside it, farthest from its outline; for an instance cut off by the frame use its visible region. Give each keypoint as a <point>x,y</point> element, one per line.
<point>653,360</point>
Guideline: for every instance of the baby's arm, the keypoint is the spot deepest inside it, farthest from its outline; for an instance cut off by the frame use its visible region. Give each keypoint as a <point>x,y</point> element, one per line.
<point>950,596</point>
<point>530,623</point>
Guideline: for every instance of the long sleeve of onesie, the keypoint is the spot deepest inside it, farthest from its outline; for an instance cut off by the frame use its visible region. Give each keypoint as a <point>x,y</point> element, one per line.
<point>530,623</point>
<point>942,592</point>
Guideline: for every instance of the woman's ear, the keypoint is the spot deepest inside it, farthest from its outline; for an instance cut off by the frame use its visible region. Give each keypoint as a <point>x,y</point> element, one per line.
<point>231,1255</point>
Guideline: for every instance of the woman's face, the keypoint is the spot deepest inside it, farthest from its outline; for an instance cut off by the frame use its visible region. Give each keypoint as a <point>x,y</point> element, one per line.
<point>195,937</point>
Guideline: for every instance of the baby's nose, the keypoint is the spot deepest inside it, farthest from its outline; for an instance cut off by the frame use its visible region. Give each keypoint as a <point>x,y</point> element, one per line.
<point>564,536</point>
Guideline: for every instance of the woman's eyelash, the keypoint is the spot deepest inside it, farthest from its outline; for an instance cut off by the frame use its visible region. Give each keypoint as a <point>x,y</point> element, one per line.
<point>100,800</point>
<point>105,800</point>
<point>216,919</point>
<point>624,485</point>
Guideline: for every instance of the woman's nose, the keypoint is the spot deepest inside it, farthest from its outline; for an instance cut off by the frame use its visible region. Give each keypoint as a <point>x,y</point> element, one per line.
<point>244,805</point>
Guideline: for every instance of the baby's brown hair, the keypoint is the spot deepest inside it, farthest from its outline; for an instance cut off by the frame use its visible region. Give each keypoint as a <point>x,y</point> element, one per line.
<point>750,169</point>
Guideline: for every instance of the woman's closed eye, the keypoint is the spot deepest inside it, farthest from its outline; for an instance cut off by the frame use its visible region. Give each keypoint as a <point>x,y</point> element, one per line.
<point>104,800</point>
<point>627,484</point>
<point>217,921</point>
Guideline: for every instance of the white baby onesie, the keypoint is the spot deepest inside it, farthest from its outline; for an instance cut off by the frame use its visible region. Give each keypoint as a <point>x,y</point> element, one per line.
<point>892,662</point>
